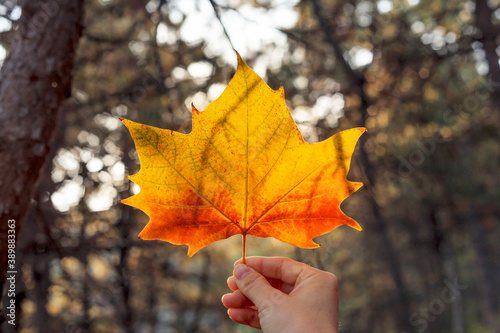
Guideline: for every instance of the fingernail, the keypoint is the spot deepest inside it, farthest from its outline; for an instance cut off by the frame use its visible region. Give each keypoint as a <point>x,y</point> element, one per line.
<point>240,271</point>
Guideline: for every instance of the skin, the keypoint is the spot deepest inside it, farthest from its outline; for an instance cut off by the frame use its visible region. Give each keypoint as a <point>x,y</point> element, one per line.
<point>282,295</point>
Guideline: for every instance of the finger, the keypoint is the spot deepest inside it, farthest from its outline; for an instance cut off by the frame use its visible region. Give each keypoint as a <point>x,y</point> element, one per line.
<point>284,269</point>
<point>278,284</point>
<point>236,300</point>
<point>254,286</point>
<point>232,283</point>
<point>245,316</point>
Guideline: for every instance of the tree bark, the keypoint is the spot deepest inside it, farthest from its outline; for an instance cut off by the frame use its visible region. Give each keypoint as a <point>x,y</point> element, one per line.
<point>35,80</point>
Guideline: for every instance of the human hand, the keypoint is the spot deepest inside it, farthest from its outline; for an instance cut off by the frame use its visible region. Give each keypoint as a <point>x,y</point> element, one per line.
<point>282,295</point>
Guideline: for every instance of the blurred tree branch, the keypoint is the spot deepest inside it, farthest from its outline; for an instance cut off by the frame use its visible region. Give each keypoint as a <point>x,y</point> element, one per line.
<point>216,7</point>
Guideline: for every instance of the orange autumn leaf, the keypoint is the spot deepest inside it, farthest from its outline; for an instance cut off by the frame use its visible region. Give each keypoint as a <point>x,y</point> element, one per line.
<point>244,169</point>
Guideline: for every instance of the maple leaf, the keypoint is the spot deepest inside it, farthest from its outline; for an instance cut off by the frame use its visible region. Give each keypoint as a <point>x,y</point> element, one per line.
<point>244,169</point>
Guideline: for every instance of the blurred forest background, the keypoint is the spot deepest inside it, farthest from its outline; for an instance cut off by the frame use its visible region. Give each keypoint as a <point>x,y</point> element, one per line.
<point>422,76</point>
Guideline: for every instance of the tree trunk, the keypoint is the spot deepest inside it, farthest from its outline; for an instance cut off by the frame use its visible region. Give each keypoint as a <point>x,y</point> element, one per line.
<point>384,246</point>
<point>487,291</point>
<point>34,82</point>
<point>489,34</point>
<point>449,269</point>
<point>488,265</point>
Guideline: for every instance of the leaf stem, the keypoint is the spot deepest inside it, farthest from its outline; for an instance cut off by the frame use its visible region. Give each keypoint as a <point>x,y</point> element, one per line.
<point>244,247</point>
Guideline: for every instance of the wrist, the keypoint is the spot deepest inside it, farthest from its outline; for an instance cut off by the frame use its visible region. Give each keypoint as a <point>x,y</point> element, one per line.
<point>311,324</point>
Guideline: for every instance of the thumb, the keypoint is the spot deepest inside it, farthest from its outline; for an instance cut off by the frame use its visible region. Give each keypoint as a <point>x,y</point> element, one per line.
<point>253,285</point>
